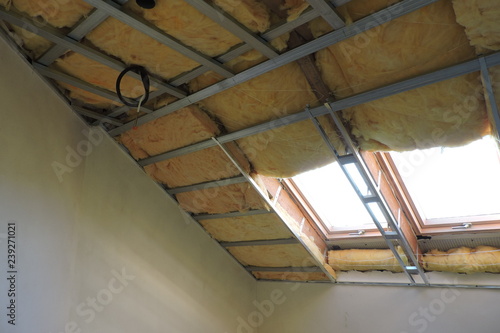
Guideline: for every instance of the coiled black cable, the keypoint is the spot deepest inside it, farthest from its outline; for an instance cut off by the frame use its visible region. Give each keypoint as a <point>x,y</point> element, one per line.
<point>145,82</point>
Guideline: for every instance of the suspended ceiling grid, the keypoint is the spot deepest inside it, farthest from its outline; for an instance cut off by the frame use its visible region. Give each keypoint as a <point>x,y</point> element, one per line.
<point>116,123</point>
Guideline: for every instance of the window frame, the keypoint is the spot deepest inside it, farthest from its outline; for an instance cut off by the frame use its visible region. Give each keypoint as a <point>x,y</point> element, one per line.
<point>385,173</point>
<point>483,223</point>
<point>310,213</point>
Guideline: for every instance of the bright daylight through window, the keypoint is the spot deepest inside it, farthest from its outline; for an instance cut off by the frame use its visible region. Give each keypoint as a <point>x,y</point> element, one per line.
<point>334,200</point>
<point>443,186</point>
<point>445,183</point>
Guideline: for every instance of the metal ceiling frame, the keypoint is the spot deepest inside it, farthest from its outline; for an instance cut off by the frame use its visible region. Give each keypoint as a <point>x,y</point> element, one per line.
<point>272,204</point>
<point>199,217</point>
<point>71,42</point>
<point>77,33</point>
<point>68,43</point>
<point>261,242</point>
<point>372,95</point>
<point>157,34</point>
<point>294,269</point>
<point>385,15</point>
<point>328,13</point>
<point>373,196</point>
<point>206,185</point>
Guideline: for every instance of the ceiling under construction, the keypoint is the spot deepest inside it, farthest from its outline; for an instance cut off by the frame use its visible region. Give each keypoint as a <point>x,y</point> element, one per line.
<point>245,93</point>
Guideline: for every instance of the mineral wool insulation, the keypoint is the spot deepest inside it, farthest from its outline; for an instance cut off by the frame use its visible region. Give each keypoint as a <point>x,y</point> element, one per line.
<point>482,259</point>
<point>422,41</point>
<point>438,35</point>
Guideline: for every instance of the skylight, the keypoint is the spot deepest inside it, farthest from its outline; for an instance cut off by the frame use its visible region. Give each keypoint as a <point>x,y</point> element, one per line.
<point>453,182</point>
<point>334,200</point>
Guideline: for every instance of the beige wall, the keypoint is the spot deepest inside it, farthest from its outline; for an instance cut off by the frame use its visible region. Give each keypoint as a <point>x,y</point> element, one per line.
<point>100,248</point>
<point>325,308</point>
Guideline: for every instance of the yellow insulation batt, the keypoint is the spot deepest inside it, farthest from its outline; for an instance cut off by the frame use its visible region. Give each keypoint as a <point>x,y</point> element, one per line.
<point>422,41</point>
<point>293,255</point>
<point>447,113</point>
<point>224,199</point>
<point>58,13</point>
<point>247,228</point>
<point>365,260</point>
<point>134,47</point>
<point>463,260</point>
<point>198,167</point>
<point>480,19</point>
<point>291,276</point>
<point>178,129</point>
<point>35,44</point>
<point>98,74</point>
<point>281,152</point>
<point>183,22</point>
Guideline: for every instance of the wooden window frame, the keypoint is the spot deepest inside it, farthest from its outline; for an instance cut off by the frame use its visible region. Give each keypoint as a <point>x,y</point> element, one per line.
<point>480,223</point>
<point>392,187</point>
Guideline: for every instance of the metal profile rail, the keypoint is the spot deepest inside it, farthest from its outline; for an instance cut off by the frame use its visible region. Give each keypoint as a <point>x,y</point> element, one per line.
<point>292,269</point>
<point>261,242</point>
<point>373,196</point>
<point>272,204</point>
<point>157,34</point>
<point>211,184</point>
<point>56,75</point>
<point>199,217</point>
<point>328,13</point>
<point>101,118</point>
<point>385,15</point>
<point>490,95</point>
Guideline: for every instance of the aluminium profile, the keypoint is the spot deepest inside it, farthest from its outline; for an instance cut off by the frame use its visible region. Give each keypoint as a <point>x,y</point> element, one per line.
<point>396,233</point>
<point>291,269</point>
<point>328,13</point>
<point>205,185</point>
<point>199,217</point>
<point>261,242</point>
<point>490,95</point>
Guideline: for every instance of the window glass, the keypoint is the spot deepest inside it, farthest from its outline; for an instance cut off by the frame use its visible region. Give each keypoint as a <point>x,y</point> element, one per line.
<point>453,182</point>
<point>330,194</point>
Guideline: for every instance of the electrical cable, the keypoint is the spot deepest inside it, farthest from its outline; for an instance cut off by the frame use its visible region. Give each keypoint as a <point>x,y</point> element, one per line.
<point>145,82</point>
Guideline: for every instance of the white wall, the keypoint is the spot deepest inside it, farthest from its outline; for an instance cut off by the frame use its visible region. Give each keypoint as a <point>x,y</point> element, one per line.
<point>103,250</point>
<point>322,308</point>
